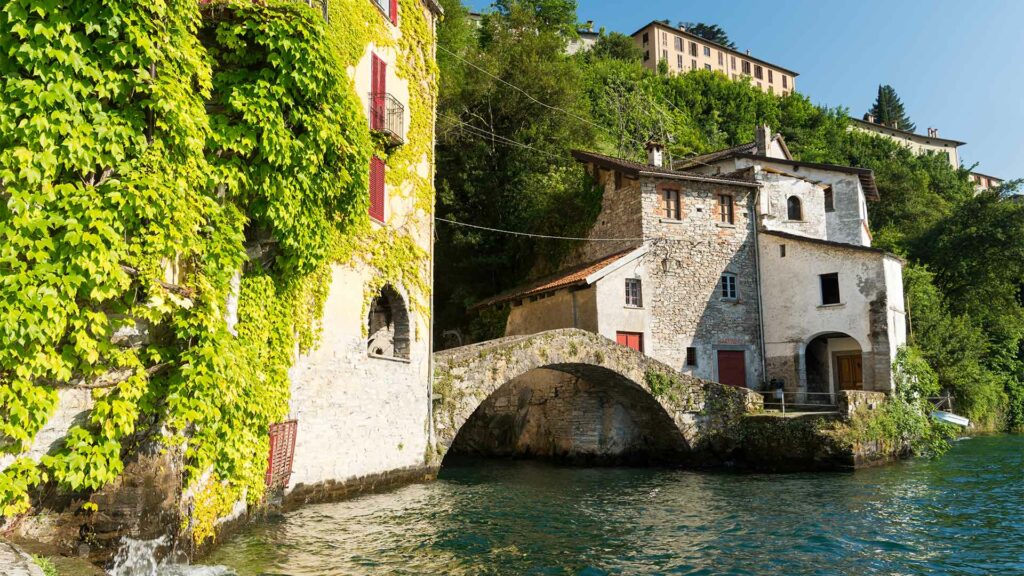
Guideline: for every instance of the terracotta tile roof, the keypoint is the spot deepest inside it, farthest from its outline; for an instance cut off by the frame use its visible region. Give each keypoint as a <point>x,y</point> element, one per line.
<point>686,163</point>
<point>636,169</point>
<point>563,279</point>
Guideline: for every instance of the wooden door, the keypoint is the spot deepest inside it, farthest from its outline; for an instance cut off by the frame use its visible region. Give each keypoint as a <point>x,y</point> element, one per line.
<point>849,369</point>
<point>634,340</point>
<point>732,368</point>
<point>378,90</point>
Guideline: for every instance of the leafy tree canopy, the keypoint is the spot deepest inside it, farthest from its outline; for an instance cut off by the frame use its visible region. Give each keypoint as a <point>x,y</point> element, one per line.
<point>616,46</point>
<point>712,32</point>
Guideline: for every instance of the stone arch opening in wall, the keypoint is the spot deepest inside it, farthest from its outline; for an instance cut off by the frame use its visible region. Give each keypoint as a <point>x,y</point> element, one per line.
<point>794,209</point>
<point>575,413</point>
<point>829,363</point>
<point>388,325</point>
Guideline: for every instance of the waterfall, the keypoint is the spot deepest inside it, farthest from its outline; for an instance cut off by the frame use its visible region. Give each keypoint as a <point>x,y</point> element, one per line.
<point>139,558</point>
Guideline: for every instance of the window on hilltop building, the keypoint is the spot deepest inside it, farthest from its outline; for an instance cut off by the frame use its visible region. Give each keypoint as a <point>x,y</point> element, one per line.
<point>679,44</point>
<point>725,209</point>
<point>693,64</point>
<point>733,60</point>
<point>830,200</point>
<point>691,356</point>
<point>707,51</point>
<point>707,66</point>
<point>793,209</point>
<point>664,39</point>
<point>645,38</point>
<point>670,205</point>
<point>758,72</point>
<point>664,56</point>
<point>746,67</point>
<point>785,82</point>
<point>729,286</point>
<point>829,288</point>
<point>679,61</point>
<point>634,293</point>
<point>721,58</point>
<point>693,48</point>
<point>771,89</point>
<point>647,55</point>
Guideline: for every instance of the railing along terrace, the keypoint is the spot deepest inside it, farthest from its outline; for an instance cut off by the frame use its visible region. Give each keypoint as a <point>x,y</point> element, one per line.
<point>799,401</point>
<point>387,115</point>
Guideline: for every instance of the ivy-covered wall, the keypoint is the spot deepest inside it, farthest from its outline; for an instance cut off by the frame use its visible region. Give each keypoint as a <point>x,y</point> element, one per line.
<point>151,155</point>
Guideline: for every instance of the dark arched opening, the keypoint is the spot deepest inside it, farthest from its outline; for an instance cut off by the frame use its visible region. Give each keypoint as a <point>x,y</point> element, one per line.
<point>832,363</point>
<point>388,325</point>
<point>794,209</point>
<point>575,414</point>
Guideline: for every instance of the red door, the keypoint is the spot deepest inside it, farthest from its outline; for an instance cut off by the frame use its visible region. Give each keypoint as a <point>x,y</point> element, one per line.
<point>378,88</point>
<point>732,368</point>
<point>634,340</point>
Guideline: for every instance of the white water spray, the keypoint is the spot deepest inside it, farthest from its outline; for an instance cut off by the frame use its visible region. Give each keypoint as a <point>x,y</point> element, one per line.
<point>139,558</point>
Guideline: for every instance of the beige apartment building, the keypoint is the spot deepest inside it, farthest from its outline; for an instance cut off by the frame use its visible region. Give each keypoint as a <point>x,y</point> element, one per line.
<point>919,143</point>
<point>685,52</point>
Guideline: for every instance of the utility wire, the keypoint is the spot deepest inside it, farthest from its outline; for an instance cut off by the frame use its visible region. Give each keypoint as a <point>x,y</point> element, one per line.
<point>544,236</point>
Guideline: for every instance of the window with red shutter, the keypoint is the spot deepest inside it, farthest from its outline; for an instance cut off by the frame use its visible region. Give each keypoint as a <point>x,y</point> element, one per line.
<point>377,189</point>
<point>393,12</point>
<point>378,92</point>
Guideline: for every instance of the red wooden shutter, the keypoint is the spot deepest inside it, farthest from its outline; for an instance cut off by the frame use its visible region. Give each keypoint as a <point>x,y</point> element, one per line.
<point>378,88</point>
<point>394,12</point>
<point>377,189</point>
<point>282,453</point>
<point>634,340</point>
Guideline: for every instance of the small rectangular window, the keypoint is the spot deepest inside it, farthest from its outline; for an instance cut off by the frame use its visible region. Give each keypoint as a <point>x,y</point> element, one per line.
<point>645,37</point>
<point>721,58</point>
<point>770,80</point>
<point>679,61</point>
<point>725,209</point>
<point>782,250</point>
<point>732,59</point>
<point>693,48</point>
<point>707,66</point>
<point>664,56</point>
<point>634,292</point>
<point>634,340</point>
<point>785,82</point>
<point>691,356</point>
<point>618,180</point>
<point>693,64</point>
<point>830,288</point>
<point>647,55</point>
<point>664,39</point>
<point>670,206</point>
<point>679,44</point>
<point>758,72</point>
<point>707,51</point>
<point>729,286</point>
<point>830,201</point>
<point>746,67</point>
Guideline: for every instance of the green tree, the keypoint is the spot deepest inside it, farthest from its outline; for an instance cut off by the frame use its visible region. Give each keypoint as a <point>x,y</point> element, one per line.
<point>711,32</point>
<point>888,110</point>
<point>616,46</point>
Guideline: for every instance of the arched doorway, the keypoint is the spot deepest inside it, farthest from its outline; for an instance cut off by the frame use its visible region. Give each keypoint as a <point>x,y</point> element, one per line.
<point>388,325</point>
<point>832,362</point>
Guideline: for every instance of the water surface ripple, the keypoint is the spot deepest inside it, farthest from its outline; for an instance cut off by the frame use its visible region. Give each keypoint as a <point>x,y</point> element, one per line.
<point>962,514</point>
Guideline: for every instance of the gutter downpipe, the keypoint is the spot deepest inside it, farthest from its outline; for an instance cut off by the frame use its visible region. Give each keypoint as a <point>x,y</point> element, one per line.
<point>757,267</point>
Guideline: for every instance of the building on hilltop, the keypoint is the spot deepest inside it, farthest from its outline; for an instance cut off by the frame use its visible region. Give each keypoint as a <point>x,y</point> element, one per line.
<point>743,266</point>
<point>984,181</point>
<point>918,143</point>
<point>683,52</point>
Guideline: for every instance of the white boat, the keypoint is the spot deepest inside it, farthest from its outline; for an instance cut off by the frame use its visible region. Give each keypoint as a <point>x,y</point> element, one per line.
<point>950,418</point>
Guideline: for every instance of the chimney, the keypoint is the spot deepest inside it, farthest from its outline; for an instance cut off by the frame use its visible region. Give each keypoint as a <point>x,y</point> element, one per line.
<point>682,28</point>
<point>869,117</point>
<point>654,151</point>
<point>748,51</point>
<point>762,136</point>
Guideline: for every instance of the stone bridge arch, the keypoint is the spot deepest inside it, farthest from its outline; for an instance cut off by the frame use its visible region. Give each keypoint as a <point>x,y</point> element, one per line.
<point>704,414</point>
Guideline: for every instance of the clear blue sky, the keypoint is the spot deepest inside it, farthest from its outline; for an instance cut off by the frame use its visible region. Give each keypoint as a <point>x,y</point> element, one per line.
<point>958,66</point>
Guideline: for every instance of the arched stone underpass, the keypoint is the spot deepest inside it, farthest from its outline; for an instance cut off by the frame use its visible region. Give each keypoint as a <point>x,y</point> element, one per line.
<point>543,395</point>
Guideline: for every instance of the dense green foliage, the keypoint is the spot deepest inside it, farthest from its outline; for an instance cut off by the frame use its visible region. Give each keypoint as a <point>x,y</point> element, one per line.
<point>712,32</point>
<point>964,252</point>
<point>889,110</point>
<point>156,160</point>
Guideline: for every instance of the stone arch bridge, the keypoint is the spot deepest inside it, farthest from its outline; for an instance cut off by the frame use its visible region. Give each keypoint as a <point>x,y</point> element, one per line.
<point>698,418</point>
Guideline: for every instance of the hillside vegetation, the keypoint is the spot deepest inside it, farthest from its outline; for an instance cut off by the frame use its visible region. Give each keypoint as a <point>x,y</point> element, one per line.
<point>513,104</point>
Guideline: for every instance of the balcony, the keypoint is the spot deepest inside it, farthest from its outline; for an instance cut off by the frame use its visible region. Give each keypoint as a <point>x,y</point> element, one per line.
<point>387,116</point>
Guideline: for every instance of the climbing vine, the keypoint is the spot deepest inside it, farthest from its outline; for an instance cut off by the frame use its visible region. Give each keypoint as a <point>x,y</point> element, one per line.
<point>158,160</point>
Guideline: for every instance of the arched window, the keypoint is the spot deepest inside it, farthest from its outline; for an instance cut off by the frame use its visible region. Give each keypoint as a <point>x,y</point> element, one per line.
<point>793,208</point>
<point>388,325</point>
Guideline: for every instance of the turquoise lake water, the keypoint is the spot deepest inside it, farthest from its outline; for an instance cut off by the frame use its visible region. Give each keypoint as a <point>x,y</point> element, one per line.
<point>962,514</point>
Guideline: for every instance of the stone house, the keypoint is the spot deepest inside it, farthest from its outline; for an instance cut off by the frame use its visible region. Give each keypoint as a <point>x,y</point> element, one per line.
<point>742,266</point>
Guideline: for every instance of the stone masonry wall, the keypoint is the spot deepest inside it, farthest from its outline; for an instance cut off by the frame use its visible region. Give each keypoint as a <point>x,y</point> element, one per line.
<point>620,217</point>
<point>686,263</point>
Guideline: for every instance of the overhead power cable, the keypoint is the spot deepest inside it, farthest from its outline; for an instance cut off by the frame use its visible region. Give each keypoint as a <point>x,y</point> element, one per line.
<point>529,235</point>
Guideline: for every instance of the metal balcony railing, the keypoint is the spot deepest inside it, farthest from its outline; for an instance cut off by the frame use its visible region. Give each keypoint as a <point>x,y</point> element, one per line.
<point>795,401</point>
<point>387,116</point>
